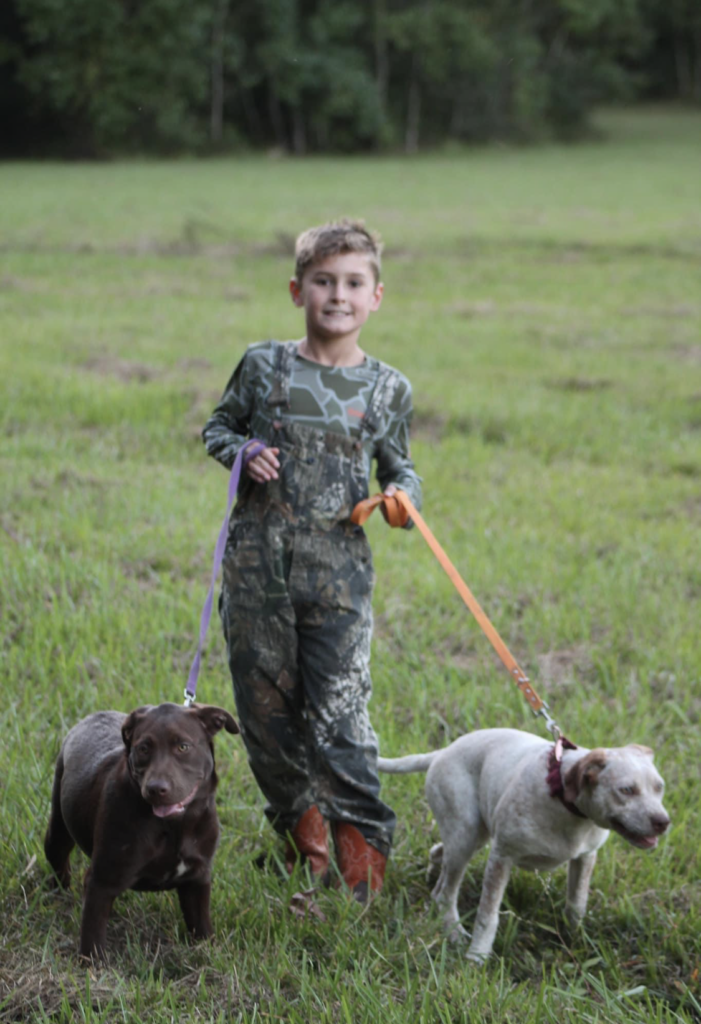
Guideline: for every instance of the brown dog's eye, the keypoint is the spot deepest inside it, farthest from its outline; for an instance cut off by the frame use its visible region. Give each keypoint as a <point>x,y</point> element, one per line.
<point>182,747</point>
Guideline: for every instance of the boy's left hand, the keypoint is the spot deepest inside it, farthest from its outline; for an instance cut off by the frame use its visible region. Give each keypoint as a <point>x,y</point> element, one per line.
<point>389,492</point>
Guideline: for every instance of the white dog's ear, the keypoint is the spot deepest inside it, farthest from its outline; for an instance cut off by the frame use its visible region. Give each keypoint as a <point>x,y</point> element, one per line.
<point>584,773</point>
<point>645,751</point>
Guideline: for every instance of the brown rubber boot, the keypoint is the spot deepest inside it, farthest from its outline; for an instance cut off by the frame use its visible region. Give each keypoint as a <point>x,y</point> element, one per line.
<point>362,866</point>
<point>310,843</point>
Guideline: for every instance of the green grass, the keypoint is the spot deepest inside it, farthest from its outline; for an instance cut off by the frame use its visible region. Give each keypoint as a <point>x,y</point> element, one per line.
<point>546,304</point>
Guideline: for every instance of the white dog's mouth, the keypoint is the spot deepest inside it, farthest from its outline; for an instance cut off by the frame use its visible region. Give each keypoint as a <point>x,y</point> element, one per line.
<point>638,839</point>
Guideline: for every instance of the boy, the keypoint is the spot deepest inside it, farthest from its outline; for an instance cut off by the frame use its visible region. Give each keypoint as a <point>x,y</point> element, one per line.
<point>298,576</point>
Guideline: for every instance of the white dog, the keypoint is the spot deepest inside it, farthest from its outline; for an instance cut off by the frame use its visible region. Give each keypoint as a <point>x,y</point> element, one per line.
<point>538,806</point>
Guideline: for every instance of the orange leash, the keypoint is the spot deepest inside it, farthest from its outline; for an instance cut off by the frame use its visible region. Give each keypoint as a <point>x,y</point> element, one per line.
<point>397,510</point>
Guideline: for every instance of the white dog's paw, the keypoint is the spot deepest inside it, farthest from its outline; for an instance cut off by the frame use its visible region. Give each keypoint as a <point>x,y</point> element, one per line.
<point>479,959</point>
<point>458,934</point>
<point>574,916</point>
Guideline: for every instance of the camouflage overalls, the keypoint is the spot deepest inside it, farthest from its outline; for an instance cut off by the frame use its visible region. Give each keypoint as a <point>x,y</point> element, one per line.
<point>297,617</point>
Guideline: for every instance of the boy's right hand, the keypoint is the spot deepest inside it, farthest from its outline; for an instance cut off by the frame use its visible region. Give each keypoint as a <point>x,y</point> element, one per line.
<point>264,466</point>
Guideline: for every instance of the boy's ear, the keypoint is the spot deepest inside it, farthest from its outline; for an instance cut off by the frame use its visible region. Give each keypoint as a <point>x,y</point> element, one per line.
<point>296,292</point>
<point>377,297</point>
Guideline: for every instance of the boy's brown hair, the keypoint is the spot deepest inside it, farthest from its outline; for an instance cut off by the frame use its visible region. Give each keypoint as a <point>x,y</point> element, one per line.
<point>334,239</point>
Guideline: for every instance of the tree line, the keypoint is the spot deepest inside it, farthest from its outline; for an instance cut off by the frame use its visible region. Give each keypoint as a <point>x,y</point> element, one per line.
<point>103,77</point>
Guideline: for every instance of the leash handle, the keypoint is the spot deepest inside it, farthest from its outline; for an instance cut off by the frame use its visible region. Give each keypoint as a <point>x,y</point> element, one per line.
<point>395,513</point>
<point>247,452</point>
<point>398,509</point>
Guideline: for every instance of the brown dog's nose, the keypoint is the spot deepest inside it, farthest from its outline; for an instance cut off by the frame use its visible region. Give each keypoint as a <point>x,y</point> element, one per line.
<point>659,824</point>
<point>156,788</point>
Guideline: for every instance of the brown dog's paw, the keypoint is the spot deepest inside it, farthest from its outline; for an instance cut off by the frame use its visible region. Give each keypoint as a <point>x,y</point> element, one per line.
<point>55,884</point>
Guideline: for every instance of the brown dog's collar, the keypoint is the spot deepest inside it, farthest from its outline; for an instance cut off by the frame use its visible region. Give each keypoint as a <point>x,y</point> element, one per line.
<point>554,776</point>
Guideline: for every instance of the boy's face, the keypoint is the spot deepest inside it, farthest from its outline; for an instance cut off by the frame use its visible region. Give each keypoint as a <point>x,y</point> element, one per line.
<point>337,294</point>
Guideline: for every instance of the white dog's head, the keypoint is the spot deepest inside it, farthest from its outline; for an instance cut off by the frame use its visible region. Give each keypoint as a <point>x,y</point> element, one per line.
<point>620,789</point>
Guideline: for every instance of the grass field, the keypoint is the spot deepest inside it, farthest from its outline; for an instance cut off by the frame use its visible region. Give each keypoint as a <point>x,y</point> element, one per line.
<point>546,304</point>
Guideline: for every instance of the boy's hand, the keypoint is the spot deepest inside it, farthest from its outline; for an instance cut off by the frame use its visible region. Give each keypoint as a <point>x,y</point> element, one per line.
<point>264,466</point>
<point>389,492</point>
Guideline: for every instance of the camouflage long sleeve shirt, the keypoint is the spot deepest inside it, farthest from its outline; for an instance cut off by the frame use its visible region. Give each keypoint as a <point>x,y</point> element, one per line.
<point>328,398</point>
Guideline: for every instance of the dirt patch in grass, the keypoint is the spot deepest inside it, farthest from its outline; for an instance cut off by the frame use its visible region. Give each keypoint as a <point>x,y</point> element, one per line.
<point>580,384</point>
<point>31,987</point>
<point>143,571</point>
<point>283,244</point>
<point>574,251</point>
<point>121,369</point>
<point>563,668</point>
<point>180,290</point>
<point>688,354</point>
<point>690,469</point>
<point>691,508</point>
<point>196,363</point>
<point>34,987</point>
<point>487,307</point>
<point>434,427</point>
<point>428,426</point>
<point>676,312</point>
<point>8,528</point>
<point>70,478</point>
<point>9,283</point>
<point>468,662</point>
<point>205,238</point>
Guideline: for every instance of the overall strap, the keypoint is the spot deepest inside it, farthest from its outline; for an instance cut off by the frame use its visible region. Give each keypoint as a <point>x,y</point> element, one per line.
<point>280,394</point>
<point>382,394</point>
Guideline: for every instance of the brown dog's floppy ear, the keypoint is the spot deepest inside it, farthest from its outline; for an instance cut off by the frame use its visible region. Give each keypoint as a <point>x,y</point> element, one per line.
<point>131,723</point>
<point>213,719</point>
<point>584,772</point>
<point>645,751</point>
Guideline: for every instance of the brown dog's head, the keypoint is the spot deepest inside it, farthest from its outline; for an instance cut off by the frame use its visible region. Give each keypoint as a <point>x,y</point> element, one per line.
<point>170,753</point>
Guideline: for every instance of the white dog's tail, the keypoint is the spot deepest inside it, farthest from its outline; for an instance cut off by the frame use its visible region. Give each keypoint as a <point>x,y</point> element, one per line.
<point>402,765</point>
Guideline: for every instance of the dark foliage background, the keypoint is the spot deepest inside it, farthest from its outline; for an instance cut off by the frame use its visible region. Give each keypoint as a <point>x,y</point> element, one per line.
<point>101,77</point>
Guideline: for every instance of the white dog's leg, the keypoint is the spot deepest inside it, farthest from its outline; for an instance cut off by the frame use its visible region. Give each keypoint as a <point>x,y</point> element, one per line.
<point>496,876</point>
<point>456,852</point>
<point>579,873</point>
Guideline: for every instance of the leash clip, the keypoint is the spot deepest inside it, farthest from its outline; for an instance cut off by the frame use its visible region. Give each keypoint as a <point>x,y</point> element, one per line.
<point>550,723</point>
<point>189,699</point>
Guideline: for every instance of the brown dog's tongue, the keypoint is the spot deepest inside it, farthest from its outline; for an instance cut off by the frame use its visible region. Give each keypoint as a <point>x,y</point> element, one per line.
<point>167,810</point>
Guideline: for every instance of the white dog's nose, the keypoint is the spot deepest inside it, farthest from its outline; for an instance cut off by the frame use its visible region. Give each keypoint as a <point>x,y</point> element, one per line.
<point>659,824</point>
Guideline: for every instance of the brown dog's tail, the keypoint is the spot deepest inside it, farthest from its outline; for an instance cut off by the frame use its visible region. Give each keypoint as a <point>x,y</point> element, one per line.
<point>403,765</point>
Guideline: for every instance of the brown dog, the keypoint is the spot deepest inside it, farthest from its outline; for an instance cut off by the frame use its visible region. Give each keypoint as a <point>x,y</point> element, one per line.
<point>136,793</point>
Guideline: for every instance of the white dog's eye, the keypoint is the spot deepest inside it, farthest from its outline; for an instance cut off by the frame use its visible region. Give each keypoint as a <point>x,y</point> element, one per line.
<point>628,790</point>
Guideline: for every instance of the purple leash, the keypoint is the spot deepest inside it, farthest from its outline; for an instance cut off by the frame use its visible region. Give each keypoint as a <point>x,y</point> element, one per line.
<point>246,453</point>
